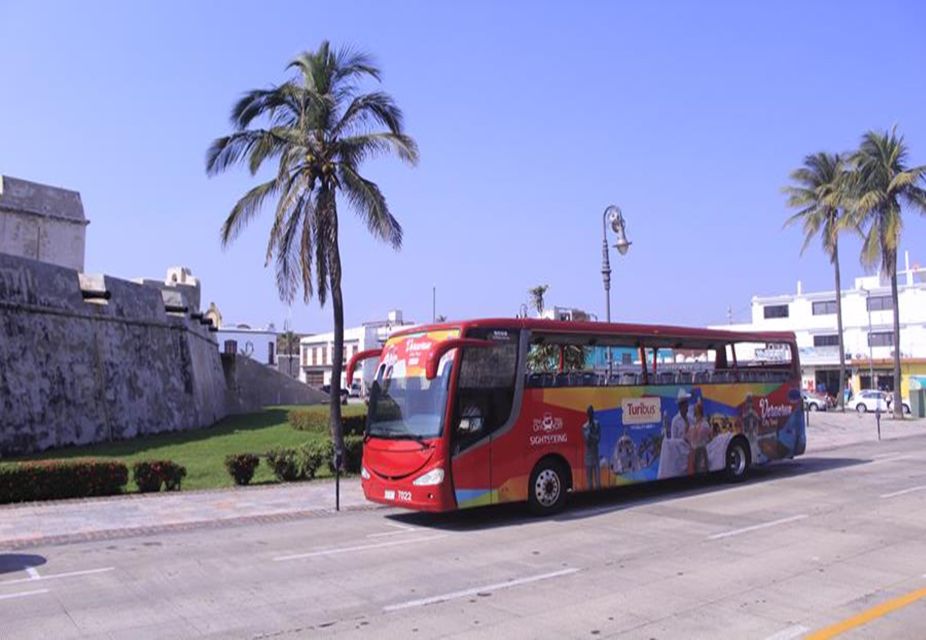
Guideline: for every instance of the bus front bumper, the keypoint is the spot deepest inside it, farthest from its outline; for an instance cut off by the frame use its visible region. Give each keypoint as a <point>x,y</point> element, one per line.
<point>408,496</point>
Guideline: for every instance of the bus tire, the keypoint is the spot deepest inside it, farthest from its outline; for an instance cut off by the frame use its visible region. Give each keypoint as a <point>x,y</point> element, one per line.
<point>738,460</point>
<point>546,493</point>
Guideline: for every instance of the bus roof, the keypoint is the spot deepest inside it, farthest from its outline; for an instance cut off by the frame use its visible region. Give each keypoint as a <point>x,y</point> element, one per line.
<point>662,332</point>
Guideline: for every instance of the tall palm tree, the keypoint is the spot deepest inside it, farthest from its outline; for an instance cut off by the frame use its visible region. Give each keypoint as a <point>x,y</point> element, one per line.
<point>885,182</point>
<point>318,128</point>
<point>820,190</point>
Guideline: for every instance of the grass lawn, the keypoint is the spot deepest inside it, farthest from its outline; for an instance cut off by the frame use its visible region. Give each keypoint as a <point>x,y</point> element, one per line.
<point>203,451</point>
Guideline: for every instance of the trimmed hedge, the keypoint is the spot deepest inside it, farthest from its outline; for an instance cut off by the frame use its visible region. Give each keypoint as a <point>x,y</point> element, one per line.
<point>317,421</point>
<point>151,474</point>
<point>60,479</point>
<point>241,466</point>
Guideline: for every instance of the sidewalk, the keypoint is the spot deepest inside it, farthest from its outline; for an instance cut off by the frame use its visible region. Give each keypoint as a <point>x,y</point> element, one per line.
<point>34,524</point>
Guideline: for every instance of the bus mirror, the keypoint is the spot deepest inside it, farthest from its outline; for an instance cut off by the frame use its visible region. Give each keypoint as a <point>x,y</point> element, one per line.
<point>447,345</point>
<point>356,359</point>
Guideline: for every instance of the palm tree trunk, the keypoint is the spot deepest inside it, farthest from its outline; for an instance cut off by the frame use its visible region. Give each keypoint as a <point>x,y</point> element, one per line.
<point>898,403</point>
<point>840,393</point>
<point>337,358</point>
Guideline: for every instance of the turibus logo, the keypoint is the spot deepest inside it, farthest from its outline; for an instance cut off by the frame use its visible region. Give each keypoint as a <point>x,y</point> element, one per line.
<point>641,410</point>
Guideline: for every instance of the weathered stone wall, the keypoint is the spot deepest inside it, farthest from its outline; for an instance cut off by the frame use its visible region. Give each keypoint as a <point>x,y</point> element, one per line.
<point>75,371</point>
<point>252,385</point>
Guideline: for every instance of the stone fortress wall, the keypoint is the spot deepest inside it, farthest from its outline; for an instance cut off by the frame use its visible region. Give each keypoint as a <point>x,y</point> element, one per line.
<point>112,366</point>
<point>89,358</point>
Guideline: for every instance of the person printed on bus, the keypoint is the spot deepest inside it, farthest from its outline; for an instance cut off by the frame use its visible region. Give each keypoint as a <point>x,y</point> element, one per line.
<point>698,436</point>
<point>682,419</point>
<point>591,434</point>
<point>673,455</point>
<point>751,422</point>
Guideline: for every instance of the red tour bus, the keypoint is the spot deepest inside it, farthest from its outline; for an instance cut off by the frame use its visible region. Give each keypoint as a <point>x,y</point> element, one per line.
<point>501,410</point>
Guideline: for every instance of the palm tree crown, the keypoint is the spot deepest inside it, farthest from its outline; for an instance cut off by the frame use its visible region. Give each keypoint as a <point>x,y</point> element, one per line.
<point>318,129</point>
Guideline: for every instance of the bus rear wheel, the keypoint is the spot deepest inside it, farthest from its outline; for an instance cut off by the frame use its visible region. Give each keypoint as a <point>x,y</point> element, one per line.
<point>546,493</point>
<point>737,461</point>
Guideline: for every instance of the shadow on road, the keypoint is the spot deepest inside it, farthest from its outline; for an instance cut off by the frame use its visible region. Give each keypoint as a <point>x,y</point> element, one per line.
<point>13,562</point>
<point>586,505</point>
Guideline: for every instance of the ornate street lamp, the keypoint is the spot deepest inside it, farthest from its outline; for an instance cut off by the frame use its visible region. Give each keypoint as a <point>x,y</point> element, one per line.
<point>615,217</point>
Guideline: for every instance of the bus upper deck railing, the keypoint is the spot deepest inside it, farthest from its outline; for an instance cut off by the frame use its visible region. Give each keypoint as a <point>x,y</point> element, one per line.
<point>602,379</point>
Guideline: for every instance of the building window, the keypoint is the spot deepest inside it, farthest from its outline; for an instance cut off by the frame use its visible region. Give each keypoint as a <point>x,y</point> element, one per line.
<point>824,308</point>
<point>270,354</point>
<point>776,311</point>
<point>826,341</point>
<point>881,339</point>
<point>880,303</point>
<point>325,355</point>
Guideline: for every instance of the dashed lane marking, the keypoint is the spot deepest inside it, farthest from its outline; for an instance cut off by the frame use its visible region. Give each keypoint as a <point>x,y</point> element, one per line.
<point>361,547</point>
<point>34,575</point>
<point>22,594</point>
<point>755,527</point>
<point>476,590</point>
<point>903,492</point>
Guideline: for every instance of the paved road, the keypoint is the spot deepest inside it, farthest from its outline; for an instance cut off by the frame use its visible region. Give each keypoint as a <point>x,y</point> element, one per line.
<point>802,546</point>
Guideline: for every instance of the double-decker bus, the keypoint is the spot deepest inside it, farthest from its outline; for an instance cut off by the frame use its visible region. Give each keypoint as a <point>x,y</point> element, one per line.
<point>501,410</point>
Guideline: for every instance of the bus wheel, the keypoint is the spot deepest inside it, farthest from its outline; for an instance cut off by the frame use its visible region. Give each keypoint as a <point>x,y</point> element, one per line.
<point>547,491</point>
<point>737,460</point>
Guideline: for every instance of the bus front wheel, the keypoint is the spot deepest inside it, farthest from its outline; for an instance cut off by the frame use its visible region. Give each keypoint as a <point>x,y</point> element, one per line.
<point>737,460</point>
<point>547,491</point>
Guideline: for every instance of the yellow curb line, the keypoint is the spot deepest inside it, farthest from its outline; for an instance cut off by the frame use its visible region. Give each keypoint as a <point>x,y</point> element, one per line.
<point>867,616</point>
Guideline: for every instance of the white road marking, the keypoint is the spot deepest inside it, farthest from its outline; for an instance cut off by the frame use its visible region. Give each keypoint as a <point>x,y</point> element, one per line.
<point>362,547</point>
<point>33,573</point>
<point>890,459</point>
<point>22,594</point>
<point>764,525</point>
<point>903,491</point>
<point>789,633</point>
<point>53,576</point>
<point>401,529</point>
<point>471,592</point>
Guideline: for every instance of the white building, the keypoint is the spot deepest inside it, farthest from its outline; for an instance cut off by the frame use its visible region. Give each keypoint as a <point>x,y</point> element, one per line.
<point>316,351</point>
<point>867,313</point>
<point>256,343</point>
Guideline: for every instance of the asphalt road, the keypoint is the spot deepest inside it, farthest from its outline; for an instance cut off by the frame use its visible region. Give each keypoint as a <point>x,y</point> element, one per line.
<point>833,538</point>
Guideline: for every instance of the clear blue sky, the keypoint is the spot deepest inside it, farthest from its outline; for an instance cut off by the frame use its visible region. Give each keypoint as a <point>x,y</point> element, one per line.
<point>531,118</point>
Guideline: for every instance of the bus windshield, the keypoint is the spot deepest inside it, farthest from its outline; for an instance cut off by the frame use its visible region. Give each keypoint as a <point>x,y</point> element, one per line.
<point>404,404</point>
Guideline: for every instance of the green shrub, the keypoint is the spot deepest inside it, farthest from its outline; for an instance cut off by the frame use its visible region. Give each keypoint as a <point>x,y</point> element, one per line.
<point>285,464</point>
<point>315,419</point>
<point>312,455</point>
<point>151,474</point>
<point>353,454</point>
<point>241,466</point>
<point>59,479</point>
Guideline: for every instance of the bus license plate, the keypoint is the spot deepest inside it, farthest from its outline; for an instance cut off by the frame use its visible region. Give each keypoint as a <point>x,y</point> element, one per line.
<point>390,494</point>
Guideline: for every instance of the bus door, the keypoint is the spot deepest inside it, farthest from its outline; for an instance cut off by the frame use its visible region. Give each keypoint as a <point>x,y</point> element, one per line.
<point>485,405</point>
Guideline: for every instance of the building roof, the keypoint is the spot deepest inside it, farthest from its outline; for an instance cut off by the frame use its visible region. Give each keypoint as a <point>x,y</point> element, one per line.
<point>23,196</point>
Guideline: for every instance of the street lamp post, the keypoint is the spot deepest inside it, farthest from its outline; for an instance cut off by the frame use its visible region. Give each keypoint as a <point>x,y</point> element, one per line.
<point>871,373</point>
<point>613,215</point>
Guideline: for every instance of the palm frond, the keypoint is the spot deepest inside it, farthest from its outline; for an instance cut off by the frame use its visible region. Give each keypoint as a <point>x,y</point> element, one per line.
<point>368,201</point>
<point>246,208</point>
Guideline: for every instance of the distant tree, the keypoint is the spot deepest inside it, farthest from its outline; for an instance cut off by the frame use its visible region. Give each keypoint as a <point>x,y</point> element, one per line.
<point>537,293</point>
<point>884,182</point>
<point>319,129</point>
<point>822,191</point>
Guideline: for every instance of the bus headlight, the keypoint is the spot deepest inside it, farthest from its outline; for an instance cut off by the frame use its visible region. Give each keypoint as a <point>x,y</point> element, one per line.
<point>364,473</point>
<point>432,477</point>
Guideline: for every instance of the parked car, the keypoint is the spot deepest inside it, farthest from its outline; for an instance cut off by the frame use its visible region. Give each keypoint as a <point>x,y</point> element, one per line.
<point>355,390</point>
<point>815,401</point>
<point>345,394</point>
<point>873,400</point>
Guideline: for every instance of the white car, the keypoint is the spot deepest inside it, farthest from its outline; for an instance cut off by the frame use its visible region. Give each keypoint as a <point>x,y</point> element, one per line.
<point>871,400</point>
